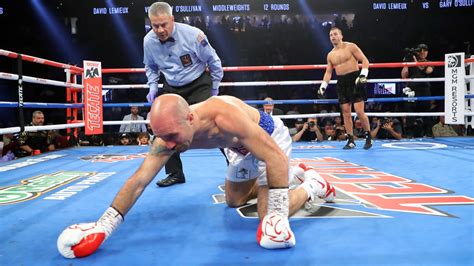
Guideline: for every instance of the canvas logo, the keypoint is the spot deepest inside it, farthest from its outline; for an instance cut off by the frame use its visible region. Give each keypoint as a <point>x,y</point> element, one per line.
<point>30,162</point>
<point>79,186</point>
<point>92,72</point>
<point>454,61</point>
<point>34,187</point>
<point>359,186</point>
<point>414,145</point>
<point>111,158</point>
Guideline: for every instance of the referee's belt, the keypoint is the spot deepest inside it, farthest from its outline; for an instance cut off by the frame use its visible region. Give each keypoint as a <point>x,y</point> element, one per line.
<point>179,87</point>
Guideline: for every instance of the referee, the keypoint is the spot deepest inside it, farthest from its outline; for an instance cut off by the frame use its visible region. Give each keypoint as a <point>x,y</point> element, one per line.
<point>182,53</point>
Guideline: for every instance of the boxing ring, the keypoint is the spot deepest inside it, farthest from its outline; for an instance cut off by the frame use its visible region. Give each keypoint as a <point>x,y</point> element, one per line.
<point>189,224</point>
<point>401,202</point>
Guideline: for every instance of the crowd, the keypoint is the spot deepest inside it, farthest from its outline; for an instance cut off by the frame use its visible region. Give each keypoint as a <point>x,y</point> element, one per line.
<point>281,40</point>
<point>284,40</point>
<point>25,144</point>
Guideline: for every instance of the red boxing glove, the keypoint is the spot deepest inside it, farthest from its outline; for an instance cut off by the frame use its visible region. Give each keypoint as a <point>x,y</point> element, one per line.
<point>81,240</point>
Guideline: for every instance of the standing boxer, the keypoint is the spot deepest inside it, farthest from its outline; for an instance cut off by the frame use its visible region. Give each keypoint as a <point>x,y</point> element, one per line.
<point>344,58</point>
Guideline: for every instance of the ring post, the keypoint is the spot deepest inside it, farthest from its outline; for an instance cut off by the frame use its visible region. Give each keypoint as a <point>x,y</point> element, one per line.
<point>92,97</point>
<point>71,113</point>
<point>454,88</point>
<point>470,102</point>
<point>21,116</point>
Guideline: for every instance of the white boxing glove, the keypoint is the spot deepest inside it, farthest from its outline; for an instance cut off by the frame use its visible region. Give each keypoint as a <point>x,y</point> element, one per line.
<point>409,93</point>
<point>361,80</point>
<point>322,88</point>
<point>81,240</point>
<point>406,90</point>
<point>274,232</point>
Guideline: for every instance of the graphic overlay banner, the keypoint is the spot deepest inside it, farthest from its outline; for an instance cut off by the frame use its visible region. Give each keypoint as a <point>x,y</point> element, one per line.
<point>93,115</point>
<point>454,88</point>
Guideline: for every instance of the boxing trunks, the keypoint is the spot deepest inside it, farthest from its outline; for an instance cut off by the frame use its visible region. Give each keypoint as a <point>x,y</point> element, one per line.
<point>347,91</point>
<point>243,166</point>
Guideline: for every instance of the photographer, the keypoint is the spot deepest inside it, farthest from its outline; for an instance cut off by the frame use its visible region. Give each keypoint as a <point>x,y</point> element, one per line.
<point>309,132</point>
<point>418,89</point>
<point>359,132</point>
<point>387,128</point>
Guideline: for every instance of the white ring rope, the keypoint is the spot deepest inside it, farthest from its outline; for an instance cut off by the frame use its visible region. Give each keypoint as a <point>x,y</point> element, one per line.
<point>29,79</point>
<point>385,114</point>
<point>286,83</point>
<point>10,130</point>
<point>128,86</point>
<point>36,80</point>
<point>316,82</point>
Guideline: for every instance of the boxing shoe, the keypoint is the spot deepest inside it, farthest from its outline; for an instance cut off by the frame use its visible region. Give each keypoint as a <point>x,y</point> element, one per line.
<point>368,143</point>
<point>314,184</point>
<point>274,232</point>
<point>171,179</point>
<point>296,177</point>
<point>350,143</point>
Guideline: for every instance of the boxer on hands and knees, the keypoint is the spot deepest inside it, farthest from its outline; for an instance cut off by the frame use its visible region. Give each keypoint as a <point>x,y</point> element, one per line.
<point>257,145</point>
<point>344,58</point>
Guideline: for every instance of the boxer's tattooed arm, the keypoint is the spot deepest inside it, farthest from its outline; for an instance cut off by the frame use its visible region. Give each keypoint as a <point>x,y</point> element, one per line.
<point>156,149</point>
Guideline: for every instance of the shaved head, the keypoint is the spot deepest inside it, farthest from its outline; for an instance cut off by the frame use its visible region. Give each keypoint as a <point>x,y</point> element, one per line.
<point>168,110</point>
<point>172,121</point>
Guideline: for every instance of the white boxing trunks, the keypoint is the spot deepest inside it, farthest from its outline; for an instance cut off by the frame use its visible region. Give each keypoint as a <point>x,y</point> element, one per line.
<point>243,166</point>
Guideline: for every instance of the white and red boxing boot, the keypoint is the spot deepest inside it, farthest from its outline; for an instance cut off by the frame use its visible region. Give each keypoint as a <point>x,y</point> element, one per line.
<point>313,183</point>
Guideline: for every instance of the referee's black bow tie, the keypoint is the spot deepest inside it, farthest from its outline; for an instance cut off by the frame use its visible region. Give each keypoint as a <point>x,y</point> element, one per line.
<point>170,39</point>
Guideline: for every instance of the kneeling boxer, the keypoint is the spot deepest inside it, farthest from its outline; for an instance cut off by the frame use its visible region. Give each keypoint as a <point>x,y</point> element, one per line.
<point>258,146</point>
